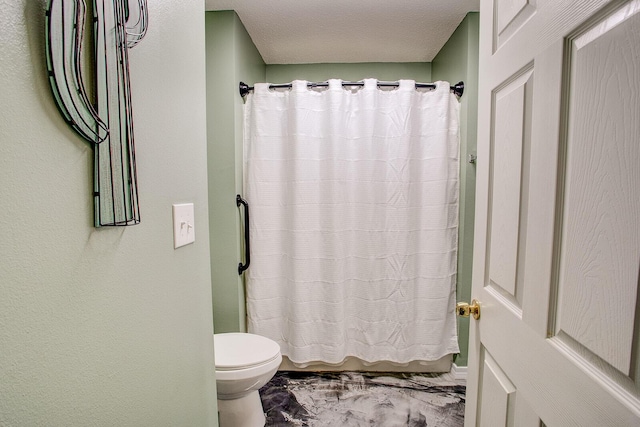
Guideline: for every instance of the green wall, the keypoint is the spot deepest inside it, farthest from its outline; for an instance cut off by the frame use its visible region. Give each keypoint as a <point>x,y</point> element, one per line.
<point>109,326</point>
<point>456,61</point>
<point>231,58</point>
<point>419,71</point>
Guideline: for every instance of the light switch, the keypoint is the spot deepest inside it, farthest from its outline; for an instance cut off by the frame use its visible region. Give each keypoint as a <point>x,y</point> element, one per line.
<point>183,225</point>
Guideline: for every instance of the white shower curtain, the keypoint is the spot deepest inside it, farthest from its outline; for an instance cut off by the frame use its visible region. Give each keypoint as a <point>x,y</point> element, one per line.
<point>354,221</point>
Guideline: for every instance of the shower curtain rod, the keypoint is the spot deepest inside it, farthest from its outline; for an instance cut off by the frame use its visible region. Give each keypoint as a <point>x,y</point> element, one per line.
<point>457,89</point>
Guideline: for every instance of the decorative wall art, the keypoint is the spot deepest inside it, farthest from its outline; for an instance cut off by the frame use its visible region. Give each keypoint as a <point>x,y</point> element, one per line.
<point>89,77</point>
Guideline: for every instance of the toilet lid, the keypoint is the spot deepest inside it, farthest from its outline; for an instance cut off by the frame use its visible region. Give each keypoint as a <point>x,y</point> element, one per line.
<point>242,350</point>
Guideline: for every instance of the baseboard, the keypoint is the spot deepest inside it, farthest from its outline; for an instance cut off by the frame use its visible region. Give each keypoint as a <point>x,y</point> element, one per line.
<point>459,372</point>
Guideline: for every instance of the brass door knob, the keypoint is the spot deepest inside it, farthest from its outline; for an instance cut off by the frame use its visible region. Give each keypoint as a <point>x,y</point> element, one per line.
<point>464,309</point>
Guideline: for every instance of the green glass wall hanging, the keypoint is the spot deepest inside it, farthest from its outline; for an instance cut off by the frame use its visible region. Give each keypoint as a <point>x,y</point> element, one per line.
<point>89,78</point>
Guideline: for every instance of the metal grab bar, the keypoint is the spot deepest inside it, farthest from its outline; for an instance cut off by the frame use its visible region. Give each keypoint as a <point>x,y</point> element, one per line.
<point>247,252</point>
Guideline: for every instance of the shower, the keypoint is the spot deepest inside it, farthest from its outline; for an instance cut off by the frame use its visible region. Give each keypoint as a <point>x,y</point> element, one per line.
<point>353,188</point>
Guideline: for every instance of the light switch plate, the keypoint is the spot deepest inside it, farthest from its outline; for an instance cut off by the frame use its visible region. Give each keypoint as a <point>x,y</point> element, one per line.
<point>183,225</point>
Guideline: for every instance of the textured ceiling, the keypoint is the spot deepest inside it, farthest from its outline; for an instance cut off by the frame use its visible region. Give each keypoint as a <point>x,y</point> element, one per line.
<point>317,31</point>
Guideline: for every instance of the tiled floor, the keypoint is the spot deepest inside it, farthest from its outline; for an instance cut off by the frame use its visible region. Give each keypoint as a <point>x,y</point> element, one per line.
<point>363,399</point>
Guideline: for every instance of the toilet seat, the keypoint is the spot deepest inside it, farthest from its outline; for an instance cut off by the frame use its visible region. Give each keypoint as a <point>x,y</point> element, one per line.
<point>238,351</point>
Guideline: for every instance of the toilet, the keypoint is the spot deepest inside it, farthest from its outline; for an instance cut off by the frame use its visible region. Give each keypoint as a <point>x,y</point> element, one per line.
<point>244,363</point>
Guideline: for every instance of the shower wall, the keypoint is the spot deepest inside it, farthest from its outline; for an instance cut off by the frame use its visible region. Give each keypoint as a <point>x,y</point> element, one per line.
<point>458,61</point>
<point>285,73</point>
<point>232,57</point>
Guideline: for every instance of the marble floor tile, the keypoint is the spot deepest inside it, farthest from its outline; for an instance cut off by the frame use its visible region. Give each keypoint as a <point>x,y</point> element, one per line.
<point>348,399</point>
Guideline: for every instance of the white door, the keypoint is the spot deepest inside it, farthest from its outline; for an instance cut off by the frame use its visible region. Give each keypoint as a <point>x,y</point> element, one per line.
<point>557,249</point>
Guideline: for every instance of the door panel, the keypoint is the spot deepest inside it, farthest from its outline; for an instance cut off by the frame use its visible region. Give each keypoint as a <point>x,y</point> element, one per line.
<point>557,249</point>
<point>600,246</point>
<point>510,16</point>
<point>509,186</point>
<point>501,404</point>
<point>498,395</point>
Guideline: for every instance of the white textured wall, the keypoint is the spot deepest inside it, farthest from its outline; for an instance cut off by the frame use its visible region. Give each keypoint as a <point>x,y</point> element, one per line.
<point>108,327</point>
